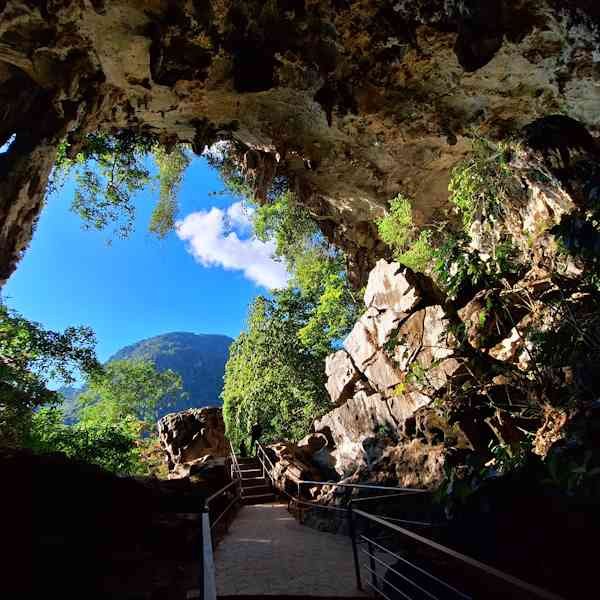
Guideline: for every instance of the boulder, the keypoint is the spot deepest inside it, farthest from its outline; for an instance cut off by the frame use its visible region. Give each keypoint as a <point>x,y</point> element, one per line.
<point>392,287</point>
<point>426,350</point>
<point>341,376</point>
<point>365,345</point>
<point>191,438</point>
<point>363,418</point>
<point>294,462</point>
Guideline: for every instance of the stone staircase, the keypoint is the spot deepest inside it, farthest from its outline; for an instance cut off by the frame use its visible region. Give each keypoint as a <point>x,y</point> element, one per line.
<point>256,488</point>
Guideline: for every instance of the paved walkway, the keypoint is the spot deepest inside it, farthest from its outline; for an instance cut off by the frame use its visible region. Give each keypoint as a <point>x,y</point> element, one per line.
<point>266,552</point>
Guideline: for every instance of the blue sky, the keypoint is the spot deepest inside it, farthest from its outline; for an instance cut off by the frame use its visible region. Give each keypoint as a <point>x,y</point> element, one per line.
<point>199,279</point>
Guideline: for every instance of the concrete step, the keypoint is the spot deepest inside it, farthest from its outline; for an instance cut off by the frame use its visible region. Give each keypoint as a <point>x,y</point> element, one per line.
<point>251,472</point>
<point>258,498</point>
<point>256,490</point>
<point>254,480</point>
<point>248,460</point>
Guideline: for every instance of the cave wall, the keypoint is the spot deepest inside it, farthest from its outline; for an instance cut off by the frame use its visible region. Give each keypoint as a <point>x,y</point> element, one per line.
<point>354,101</point>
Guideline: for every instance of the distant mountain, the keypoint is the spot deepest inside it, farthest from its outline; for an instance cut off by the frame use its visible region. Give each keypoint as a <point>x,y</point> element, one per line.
<point>198,358</point>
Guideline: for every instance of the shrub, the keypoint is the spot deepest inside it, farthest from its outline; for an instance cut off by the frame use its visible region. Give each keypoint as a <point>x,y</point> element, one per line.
<point>410,247</point>
<point>480,184</point>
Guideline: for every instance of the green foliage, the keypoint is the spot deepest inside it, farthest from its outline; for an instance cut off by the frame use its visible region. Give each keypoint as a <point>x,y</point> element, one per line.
<point>171,168</point>
<point>317,271</point>
<point>107,444</point>
<point>198,358</point>
<point>109,171</point>
<point>458,268</point>
<point>461,482</point>
<point>571,473</point>
<point>419,256</point>
<point>226,157</point>
<point>578,235</point>
<point>31,357</point>
<point>288,225</point>
<point>276,368</point>
<point>128,389</point>
<point>480,184</point>
<point>411,247</point>
<point>116,413</point>
<point>396,229</point>
<point>271,376</point>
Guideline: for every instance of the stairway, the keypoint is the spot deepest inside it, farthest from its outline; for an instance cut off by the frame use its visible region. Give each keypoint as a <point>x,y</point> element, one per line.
<point>256,489</point>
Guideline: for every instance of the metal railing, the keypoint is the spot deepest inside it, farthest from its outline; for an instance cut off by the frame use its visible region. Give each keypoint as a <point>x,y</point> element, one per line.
<point>425,582</point>
<point>232,494</point>
<point>416,582</point>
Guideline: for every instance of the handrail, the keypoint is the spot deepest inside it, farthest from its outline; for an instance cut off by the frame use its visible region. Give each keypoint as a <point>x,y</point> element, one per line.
<point>363,486</point>
<point>488,569</point>
<point>234,461</point>
<point>523,585</point>
<point>261,449</point>
<point>221,491</point>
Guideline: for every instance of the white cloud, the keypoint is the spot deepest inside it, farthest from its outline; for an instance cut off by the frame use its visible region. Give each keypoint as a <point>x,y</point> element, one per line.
<point>223,238</point>
<point>240,217</point>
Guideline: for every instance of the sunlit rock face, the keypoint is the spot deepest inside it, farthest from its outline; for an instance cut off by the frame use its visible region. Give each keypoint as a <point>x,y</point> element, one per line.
<point>191,438</point>
<point>386,415</point>
<point>353,101</point>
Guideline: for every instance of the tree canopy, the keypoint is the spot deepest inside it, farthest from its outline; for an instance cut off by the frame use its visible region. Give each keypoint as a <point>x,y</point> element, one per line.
<point>271,376</point>
<point>111,168</point>
<point>30,358</point>
<point>276,370</point>
<point>128,389</point>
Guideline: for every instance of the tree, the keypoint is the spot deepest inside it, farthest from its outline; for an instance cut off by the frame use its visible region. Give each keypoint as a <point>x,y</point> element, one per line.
<point>171,168</point>
<point>276,369</point>
<point>271,376</point>
<point>318,271</point>
<point>30,358</point>
<point>128,389</point>
<point>111,168</point>
<point>114,446</point>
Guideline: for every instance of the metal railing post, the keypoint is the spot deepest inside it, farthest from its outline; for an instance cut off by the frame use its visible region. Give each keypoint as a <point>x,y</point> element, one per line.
<point>354,547</point>
<point>209,581</point>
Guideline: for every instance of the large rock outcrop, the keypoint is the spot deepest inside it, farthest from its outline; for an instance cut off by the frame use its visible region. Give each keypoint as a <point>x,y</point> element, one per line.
<point>191,438</point>
<point>398,356</point>
<point>353,101</point>
<point>423,380</point>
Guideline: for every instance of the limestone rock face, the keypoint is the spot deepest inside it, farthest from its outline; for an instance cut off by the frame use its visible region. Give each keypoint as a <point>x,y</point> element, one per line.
<point>192,437</point>
<point>354,426</point>
<point>341,375</point>
<point>392,287</point>
<point>350,119</point>
<point>400,332</point>
<point>298,462</point>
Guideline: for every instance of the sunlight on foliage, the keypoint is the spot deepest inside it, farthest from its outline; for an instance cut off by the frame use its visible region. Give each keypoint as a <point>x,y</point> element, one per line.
<point>107,444</point>
<point>30,358</point>
<point>276,370</point>
<point>480,184</point>
<point>128,388</point>
<point>171,169</point>
<point>271,376</point>
<point>111,169</point>
<point>411,247</point>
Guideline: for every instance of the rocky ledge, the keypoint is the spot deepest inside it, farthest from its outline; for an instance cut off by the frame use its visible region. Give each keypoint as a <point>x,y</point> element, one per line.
<point>193,440</point>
